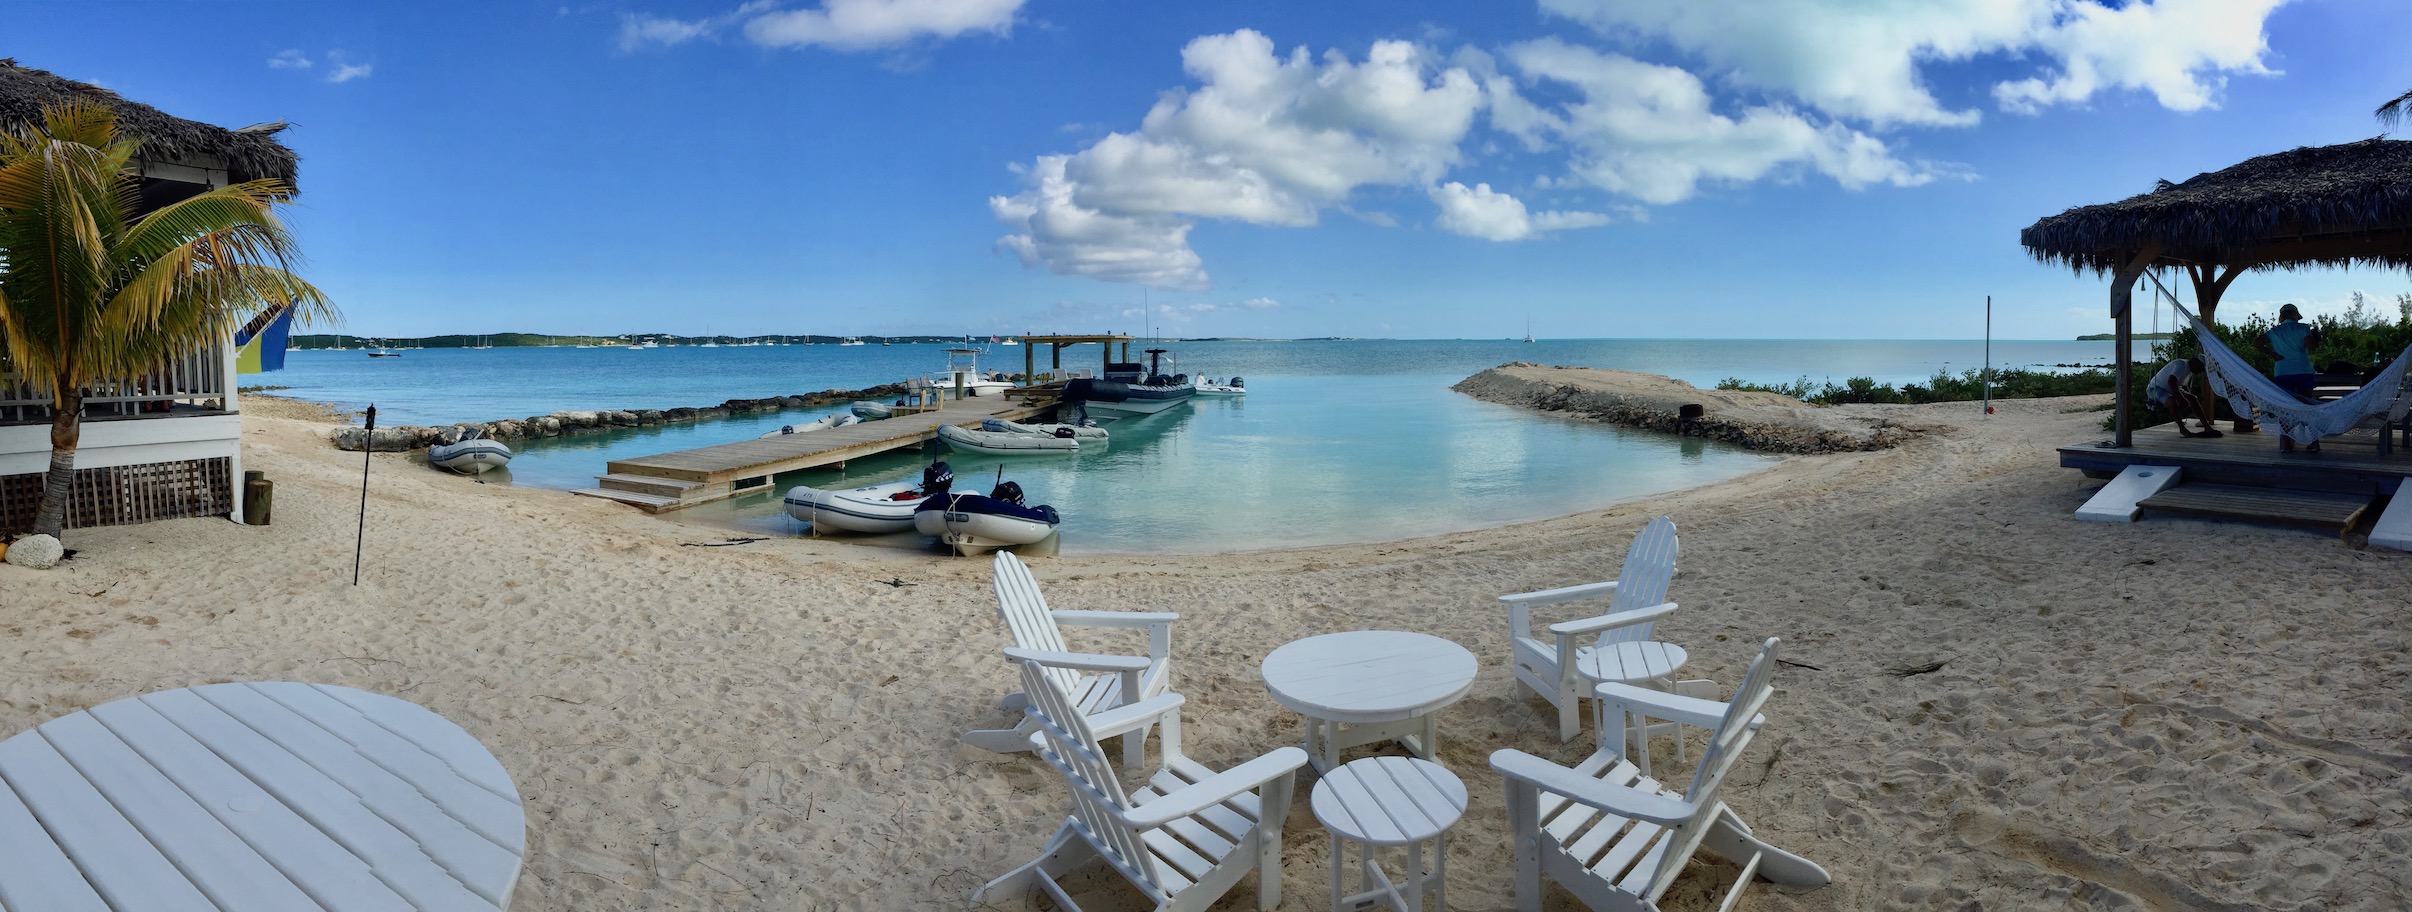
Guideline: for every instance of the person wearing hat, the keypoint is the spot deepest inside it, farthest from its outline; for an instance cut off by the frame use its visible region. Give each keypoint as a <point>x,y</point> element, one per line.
<point>2291,341</point>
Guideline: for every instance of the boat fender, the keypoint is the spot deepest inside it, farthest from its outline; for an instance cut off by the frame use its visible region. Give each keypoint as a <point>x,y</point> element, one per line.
<point>1009,492</point>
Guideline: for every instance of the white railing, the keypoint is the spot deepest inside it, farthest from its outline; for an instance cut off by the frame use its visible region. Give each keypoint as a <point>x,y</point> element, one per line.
<point>198,380</point>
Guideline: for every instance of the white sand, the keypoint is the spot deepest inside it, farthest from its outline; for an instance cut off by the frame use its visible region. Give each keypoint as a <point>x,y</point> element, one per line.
<point>2169,715</point>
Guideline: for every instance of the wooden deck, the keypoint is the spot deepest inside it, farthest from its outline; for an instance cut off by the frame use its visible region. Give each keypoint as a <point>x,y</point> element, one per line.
<point>2350,464</point>
<point>669,481</point>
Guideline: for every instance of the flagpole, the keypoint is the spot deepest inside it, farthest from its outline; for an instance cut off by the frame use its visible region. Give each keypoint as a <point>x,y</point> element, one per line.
<point>1988,382</point>
<point>368,447</point>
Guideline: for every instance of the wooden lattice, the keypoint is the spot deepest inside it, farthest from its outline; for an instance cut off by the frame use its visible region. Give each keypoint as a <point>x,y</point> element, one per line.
<point>122,495</point>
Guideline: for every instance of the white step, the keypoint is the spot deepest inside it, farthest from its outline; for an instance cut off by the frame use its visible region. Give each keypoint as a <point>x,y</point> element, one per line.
<point>2394,528</point>
<point>2116,502</point>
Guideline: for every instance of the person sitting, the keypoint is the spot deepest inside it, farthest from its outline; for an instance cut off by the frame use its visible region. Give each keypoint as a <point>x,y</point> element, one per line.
<point>2291,342</point>
<point>2172,391</point>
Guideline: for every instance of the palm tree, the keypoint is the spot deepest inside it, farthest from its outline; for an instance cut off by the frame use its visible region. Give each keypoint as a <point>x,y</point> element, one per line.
<point>91,290</point>
<point>2393,111</point>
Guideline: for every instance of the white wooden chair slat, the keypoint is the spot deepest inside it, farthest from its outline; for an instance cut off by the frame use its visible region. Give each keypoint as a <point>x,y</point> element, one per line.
<point>1544,666</point>
<point>1033,626</point>
<point>92,833</point>
<point>1607,859</point>
<point>41,878</point>
<point>497,817</point>
<point>212,857</point>
<point>485,866</point>
<point>400,861</point>
<point>332,876</point>
<point>1184,864</point>
<point>434,734</point>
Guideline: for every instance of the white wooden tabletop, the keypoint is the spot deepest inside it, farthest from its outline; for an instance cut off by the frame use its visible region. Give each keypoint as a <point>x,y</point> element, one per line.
<point>1368,675</point>
<point>257,796</point>
<point>1646,660</point>
<point>1389,801</point>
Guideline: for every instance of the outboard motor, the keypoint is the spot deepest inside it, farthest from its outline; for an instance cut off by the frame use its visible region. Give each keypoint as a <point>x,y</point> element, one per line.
<point>1180,379</point>
<point>1066,433</point>
<point>1007,491</point>
<point>936,479</point>
<point>1237,383</point>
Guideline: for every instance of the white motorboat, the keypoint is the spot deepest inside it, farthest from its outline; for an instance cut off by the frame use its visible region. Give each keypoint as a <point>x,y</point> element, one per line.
<point>1005,443</point>
<point>822,423</point>
<point>875,508</point>
<point>962,376</point>
<point>973,525</point>
<point>469,457</point>
<point>1130,390</point>
<point>850,340</point>
<point>1076,431</point>
<point>1233,387</point>
<point>873,411</point>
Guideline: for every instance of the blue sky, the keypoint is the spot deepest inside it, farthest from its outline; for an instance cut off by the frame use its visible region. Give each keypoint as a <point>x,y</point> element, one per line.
<point>1603,168</point>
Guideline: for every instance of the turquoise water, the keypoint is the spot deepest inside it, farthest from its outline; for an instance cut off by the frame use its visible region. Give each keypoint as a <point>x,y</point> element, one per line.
<point>1336,441</point>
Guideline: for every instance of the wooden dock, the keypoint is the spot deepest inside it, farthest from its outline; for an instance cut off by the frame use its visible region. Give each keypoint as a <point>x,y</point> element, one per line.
<point>2348,464</point>
<point>670,481</point>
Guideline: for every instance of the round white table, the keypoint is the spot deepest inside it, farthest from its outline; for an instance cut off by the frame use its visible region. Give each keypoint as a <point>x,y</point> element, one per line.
<point>1379,802</point>
<point>1368,686</point>
<point>256,796</point>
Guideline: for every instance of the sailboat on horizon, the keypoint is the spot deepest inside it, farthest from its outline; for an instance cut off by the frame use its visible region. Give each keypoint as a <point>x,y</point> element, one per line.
<point>1528,329</point>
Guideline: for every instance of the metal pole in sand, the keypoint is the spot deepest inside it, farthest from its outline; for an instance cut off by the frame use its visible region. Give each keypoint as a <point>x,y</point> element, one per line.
<point>368,447</point>
<point>1988,384</point>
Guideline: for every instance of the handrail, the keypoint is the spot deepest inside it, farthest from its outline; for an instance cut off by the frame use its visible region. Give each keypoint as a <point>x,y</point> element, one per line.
<point>188,380</point>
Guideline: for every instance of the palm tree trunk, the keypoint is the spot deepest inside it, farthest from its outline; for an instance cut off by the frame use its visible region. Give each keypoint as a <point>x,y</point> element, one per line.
<point>66,430</point>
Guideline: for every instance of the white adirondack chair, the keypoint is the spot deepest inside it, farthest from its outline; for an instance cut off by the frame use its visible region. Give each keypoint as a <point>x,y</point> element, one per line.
<point>1616,838</point>
<point>1637,598</point>
<point>1096,682</point>
<point>1184,838</point>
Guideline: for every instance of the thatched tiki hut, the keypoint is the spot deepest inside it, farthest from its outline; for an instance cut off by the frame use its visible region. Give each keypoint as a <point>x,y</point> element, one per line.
<point>2343,205</point>
<point>165,444</point>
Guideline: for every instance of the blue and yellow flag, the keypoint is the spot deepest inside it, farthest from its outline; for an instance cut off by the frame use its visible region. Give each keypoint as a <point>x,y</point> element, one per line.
<point>262,345</point>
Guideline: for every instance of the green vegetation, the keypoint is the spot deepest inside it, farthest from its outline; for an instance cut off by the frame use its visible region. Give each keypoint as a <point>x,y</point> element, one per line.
<point>2012,383</point>
<point>2359,340</point>
<point>89,290</point>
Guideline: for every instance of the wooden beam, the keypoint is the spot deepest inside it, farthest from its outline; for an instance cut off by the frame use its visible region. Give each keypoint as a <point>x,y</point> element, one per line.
<point>2122,304</point>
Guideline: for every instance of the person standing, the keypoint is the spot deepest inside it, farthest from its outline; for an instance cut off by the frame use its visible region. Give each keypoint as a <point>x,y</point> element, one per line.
<point>2291,341</point>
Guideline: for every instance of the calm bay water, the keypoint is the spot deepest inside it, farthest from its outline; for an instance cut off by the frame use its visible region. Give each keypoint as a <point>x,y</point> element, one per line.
<point>1336,441</point>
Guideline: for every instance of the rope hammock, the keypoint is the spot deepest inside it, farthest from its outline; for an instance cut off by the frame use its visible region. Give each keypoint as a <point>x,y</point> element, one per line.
<point>2250,392</point>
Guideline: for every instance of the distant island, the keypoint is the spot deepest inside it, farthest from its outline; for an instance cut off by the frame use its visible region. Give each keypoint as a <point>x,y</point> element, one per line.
<point>2114,337</point>
<point>335,341</point>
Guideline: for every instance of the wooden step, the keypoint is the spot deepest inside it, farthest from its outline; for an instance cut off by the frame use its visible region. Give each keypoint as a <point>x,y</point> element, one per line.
<point>647,484</point>
<point>2276,505</point>
<point>648,502</point>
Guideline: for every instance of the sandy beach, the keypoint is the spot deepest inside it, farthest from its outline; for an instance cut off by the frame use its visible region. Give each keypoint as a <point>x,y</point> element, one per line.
<point>2169,715</point>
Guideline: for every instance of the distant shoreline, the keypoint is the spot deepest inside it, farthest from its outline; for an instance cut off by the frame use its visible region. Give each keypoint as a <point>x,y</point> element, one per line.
<point>2114,337</point>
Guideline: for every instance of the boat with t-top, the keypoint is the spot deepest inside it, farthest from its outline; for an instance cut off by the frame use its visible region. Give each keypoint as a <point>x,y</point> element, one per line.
<point>1130,390</point>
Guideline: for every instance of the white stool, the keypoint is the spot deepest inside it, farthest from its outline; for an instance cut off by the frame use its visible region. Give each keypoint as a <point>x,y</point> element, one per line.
<point>1390,801</point>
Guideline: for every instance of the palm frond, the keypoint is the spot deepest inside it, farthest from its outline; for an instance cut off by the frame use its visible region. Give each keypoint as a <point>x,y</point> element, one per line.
<point>2392,112</point>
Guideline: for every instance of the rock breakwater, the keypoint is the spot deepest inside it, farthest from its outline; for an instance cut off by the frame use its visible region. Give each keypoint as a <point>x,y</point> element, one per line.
<point>404,438</point>
<point>1754,420</point>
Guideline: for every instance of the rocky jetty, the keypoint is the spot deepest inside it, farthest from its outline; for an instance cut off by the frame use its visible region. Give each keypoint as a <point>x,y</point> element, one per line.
<point>1755,420</point>
<point>404,438</point>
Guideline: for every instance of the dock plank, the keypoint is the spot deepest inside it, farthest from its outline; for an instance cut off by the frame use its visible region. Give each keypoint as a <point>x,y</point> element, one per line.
<point>2307,508</point>
<point>709,473</point>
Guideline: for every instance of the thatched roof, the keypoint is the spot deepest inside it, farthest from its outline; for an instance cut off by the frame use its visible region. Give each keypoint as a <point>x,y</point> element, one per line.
<point>248,153</point>
<point>2339,205</point>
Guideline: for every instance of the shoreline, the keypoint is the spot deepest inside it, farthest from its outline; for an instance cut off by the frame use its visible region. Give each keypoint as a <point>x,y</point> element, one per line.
<point>774,724</point>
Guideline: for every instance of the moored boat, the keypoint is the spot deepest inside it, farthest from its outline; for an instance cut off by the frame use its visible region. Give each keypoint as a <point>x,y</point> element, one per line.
<point>469,457</point>
<point>873,411</point>
<point>962,376</point>
<point>1235,386</point>
<point>1005,443</point>
<point>871,508</point>
<point>822,423</point>
<point>1130,390</point>
<point>973,524</point>
<point>1076,431</point>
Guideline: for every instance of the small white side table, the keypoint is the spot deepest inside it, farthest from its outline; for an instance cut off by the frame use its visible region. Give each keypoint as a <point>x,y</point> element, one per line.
<point>1379,684</point>
<point>1380,802</point>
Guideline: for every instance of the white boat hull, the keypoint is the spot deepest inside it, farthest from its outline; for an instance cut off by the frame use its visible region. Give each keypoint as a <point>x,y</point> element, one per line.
<point>822,423</point>
<point>1131,408</point>
<point>974,534</point>
<point>1005,443</point>
<point>470,457</point>
<point>1079,432</point>
<point>871,509</point>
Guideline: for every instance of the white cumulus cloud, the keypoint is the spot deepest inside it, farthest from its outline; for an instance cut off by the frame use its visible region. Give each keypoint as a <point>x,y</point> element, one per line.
<point>1652,132</point>
<point>289,59</point>
<point>346,72</point>
<point>1264,138</point>
<point>1484,213</point>
<point>1863,60</point>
